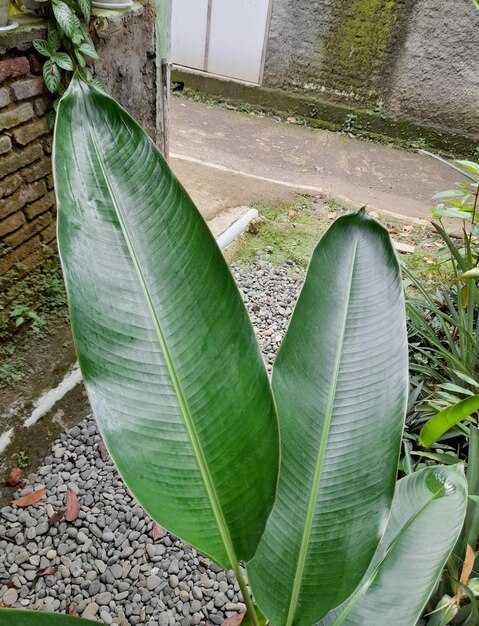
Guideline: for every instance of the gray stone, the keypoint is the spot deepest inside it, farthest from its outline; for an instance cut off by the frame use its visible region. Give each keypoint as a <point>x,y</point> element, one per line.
<point>91,610</point>
<point>152,582</point>
<point>108,536</point>
<point>10,597</point>
<point>104,598</point>
<point>220,600</point>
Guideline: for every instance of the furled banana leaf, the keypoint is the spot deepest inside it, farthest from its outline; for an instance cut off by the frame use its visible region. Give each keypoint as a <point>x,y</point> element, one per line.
<point>168,355</point>
<point>426,519</point>
<point>17,617</point>
<point>340,384</point>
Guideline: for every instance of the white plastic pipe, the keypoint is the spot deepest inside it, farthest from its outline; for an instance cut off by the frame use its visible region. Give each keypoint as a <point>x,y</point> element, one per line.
<point>236,228</point>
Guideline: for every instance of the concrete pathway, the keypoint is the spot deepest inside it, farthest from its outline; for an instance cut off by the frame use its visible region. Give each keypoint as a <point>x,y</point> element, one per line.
<point>226,158</point>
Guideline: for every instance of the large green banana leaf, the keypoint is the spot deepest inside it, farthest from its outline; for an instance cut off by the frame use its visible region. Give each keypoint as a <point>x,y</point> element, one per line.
<point>340,384</point>
<point>170,361</point>
<point>18,617</point>
<point>426,519</point>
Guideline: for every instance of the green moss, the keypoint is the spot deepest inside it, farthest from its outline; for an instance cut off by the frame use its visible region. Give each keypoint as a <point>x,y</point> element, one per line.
<point>359,42</point>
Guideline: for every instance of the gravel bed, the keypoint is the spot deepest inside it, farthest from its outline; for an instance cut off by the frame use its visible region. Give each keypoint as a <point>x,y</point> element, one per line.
<point>106,564</point>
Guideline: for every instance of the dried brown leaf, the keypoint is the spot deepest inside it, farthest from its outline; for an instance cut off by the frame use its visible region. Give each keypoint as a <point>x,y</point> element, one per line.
<point>103,451</point>
<point>30,498</point>
<point>72,506</point>
<point>157,532</point>
<point>47,571</point>
<point>468,565</point>
<point>235,620</point>
<point>56,517</point>
<point>72,610</point>
<point>15,476</point>
<point>11,585</point>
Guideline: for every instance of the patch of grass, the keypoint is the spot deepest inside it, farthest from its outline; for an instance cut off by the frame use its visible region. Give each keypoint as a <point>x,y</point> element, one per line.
<point>431,270</point>
<point>290,232</point>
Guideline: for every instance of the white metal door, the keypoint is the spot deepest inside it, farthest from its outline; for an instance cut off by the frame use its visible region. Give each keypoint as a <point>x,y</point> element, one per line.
<point>189,25</point>
<point>224,37</point>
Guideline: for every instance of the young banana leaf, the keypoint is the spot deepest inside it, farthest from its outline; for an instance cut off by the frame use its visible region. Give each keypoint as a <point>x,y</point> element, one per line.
<point>167,352</point>
<point>340,384</point>
<point>426,518</point>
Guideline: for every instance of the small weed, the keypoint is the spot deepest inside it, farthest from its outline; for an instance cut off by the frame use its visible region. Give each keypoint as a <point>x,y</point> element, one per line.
<point>22,459</point>
<point>418,144</point>
<point>245,107</point>
<point>21,312</point>
<point>350,124</point>
<point>11,365</point>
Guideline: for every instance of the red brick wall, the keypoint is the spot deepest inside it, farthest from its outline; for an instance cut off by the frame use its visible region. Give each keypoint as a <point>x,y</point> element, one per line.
<point>27,201</point>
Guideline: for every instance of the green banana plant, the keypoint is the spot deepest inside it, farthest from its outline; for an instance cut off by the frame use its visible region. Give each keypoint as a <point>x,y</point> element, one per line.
<point>182,398</point>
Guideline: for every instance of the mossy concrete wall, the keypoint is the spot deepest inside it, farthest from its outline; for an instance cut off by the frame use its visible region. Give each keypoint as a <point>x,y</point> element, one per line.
<point>413,60</point>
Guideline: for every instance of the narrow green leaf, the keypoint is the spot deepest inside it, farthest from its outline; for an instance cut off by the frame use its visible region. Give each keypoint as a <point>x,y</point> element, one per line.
<point>446,419</point>
<point>43,47</point>
<point>446,458</point>
<point>89,50</point>
<point>66,17</point>
<point>77,35</point>
<point>474,273</point>
<point>18,617</point>
<point>449,193</point>
<point>445,610</point>
<point>457,389</point>
<point>340,383</point>
<point>470,532</point>
<point>469,165</point>
<point>449,164</point>
<point>168,355</point>
<point>53,38</point>
<point>452,213</point>
<point>51,76</point>
<point>80,58</point>
<point>461,264</point>
<point>85,8</point>
<point>426,519</point>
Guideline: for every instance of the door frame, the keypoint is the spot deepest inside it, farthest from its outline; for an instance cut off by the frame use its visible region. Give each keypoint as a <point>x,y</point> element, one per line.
<point>265,42</point>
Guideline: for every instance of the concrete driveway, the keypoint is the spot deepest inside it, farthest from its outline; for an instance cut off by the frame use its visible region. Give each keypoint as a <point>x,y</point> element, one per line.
<point>226,158</point>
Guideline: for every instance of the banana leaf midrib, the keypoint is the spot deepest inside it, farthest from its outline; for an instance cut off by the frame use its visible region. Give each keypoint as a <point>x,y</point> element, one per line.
<point>321,454</point>
<point>186,413</point>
